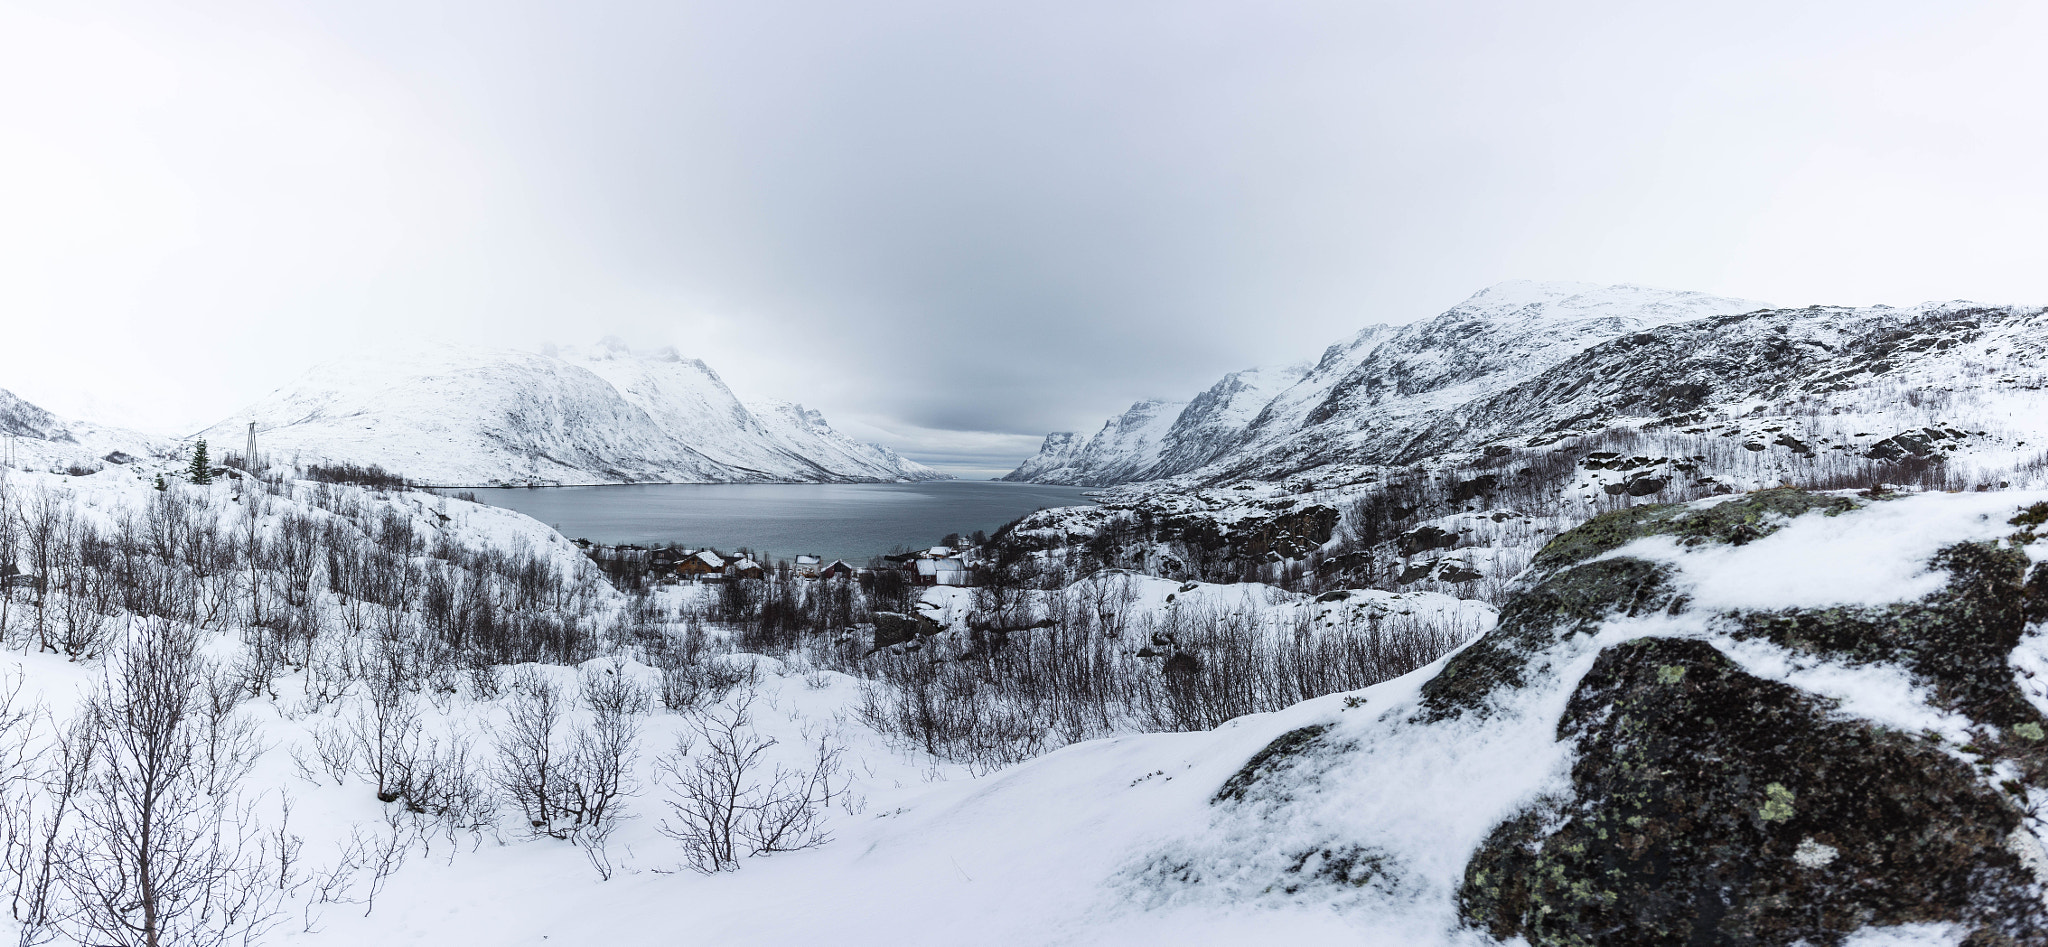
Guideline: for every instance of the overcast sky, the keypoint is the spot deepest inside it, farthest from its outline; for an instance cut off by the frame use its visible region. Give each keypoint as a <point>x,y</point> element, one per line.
<point>956,226</point>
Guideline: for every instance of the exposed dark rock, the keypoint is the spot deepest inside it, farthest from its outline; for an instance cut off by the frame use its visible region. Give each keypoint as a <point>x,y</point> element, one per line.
<point>1957,640</point>
<point>1923,443</point>
<point>1426,538</point>
<point>1645,486</point>
<point>893,628</point>
<point>1457,570</point>
<point>1712,807</point>
<point>1276,755</point>
<point>1474,488</point>
<point>1795,445</point>
<point>1734,522</point>
<point>1565,604</point>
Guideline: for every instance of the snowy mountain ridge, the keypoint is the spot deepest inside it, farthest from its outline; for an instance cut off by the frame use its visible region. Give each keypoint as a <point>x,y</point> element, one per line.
<point>462,416</point>
<point>1520,363</point>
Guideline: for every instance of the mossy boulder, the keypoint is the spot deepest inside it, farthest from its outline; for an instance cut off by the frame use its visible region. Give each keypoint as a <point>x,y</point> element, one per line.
<point>1574,601</point>
<point>1734,522</point>
<point>1709,806</point>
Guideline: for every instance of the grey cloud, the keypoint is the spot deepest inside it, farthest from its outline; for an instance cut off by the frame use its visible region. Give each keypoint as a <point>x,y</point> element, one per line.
<point>995,220</point>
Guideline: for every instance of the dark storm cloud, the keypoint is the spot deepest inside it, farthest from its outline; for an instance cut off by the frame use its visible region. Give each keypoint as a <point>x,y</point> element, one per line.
<point>955,226</point>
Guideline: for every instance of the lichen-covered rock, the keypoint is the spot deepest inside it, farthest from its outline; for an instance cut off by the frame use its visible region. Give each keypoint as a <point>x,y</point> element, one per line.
<point>1709,806</point>
<point>1733,522</point>
<point>1570,602</point>
<point>1958,640</point>
<point>1275,756</point>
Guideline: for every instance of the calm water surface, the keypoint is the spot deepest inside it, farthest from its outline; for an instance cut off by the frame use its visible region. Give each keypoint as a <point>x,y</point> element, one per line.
<point>851,521</point>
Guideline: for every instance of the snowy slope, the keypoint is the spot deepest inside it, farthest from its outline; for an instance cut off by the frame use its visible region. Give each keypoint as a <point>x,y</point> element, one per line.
<point>1358,817</point>
<point>1364,398</point>
<point>35,439</point>
<point>460,416</point>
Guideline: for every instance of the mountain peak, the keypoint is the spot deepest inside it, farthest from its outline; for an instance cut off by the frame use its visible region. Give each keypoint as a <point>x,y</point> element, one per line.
<point>471,416</point>
<point>1571,301</point>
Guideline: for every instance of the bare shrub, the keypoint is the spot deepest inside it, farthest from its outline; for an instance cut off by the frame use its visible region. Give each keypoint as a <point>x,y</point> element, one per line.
<point>566,780</point>
<point>726,801</point>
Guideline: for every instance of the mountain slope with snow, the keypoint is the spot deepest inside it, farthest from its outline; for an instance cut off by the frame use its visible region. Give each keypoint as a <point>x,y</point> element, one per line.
<point>472,417</point>
<point>1365,396</point>
<point>1126,448</point>
<point>37,439</point>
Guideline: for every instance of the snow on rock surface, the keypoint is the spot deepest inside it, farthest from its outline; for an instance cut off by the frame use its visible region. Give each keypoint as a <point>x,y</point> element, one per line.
<point>1863,765</point>
<point>473,417</point>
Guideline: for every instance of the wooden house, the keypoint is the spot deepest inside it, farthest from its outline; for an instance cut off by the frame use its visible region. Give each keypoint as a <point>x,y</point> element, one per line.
<point>837,570</point>
<point>745,568</point>
<point>701,565</point>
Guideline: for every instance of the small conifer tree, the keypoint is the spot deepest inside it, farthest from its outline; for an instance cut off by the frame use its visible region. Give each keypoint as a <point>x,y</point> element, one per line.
<point>202,469</point>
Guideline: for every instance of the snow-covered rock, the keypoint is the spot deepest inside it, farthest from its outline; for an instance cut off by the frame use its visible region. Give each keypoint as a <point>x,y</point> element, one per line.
<point>470,417</point>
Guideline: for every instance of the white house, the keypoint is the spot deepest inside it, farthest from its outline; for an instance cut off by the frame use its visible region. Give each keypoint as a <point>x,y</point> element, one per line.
<point>941,572</point>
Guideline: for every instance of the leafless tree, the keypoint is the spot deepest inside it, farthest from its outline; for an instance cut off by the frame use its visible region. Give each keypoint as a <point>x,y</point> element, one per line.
<point>154,858</point>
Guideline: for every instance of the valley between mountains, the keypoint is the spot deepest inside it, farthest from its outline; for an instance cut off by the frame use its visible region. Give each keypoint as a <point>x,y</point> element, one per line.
<point>1571,615</point>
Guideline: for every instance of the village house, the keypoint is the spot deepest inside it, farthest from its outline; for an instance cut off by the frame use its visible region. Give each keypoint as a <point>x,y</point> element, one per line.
<point>948,571</point>
<point>837,570</point>
<point>807,566</point>
<point>745,568</point>
<point>703,564</point>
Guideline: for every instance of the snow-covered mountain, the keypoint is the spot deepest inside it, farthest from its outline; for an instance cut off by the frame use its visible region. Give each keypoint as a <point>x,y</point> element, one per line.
<point>1125,449</point>
<point>463,416</point>
<point>37,439</point>
<point>1521,362</point>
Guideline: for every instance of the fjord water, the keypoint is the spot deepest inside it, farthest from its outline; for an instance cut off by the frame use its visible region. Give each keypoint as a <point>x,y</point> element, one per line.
<point>852,521</point>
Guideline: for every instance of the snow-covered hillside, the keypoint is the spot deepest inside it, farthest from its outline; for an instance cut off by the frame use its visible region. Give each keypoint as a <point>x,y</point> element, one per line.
<point>1637,747</point>
<point>32,438</point>
<point>1369,398</point>
<point>472,417</point>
